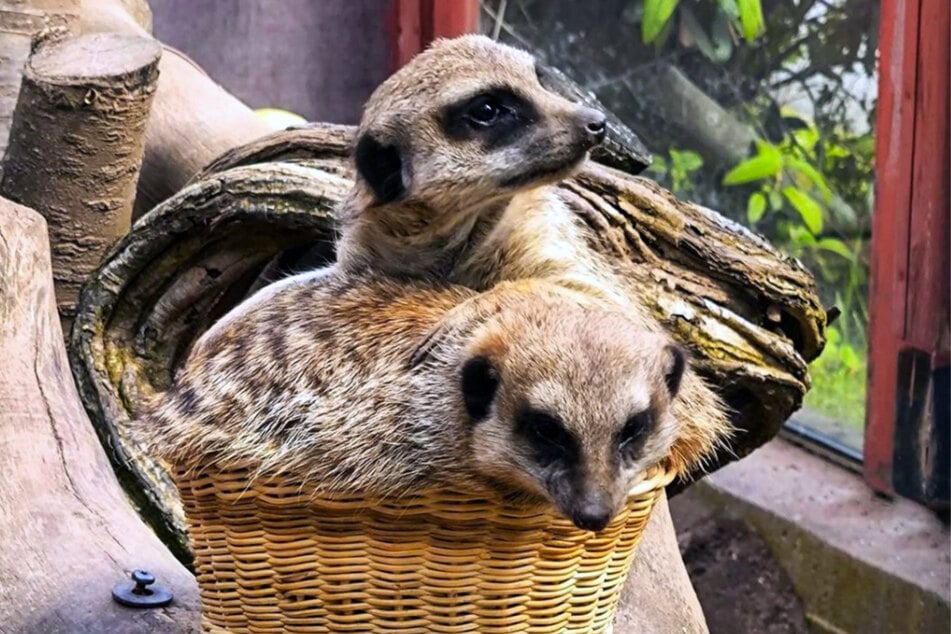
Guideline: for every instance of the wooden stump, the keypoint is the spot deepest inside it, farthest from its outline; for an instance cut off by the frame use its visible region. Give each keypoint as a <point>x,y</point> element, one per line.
<point>76,146</point>
<point>69,535</point>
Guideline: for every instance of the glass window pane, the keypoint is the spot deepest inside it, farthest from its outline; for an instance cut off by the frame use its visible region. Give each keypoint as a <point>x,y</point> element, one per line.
<point>761,110</point>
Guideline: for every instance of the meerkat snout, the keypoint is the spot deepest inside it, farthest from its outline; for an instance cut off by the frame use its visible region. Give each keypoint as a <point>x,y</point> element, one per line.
<point>593,514</point>
<point>580,424</point>
<point>595,125</point>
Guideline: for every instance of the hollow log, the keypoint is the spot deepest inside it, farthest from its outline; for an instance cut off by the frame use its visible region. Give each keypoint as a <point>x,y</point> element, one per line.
<point>76,146</point>
<point>750,315</point>
<point>69,534</point>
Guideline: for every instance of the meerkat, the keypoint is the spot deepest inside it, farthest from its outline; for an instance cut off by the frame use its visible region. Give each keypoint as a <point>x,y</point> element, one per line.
<point>543,393</point>
<point>456,156</point>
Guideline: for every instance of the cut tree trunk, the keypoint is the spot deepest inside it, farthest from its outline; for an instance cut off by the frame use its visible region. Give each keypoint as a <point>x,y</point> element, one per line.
<point>69,535</point>
<point>76,146</point>
<point>19,22</point>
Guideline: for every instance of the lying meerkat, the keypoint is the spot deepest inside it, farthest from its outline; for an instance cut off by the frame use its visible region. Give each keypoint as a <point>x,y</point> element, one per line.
<point>544,392</point>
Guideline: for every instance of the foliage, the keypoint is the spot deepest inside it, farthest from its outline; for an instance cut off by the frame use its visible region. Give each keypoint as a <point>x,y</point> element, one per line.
<point>677,167</point>
<point>761,109</point>
<point>789,184</point>
<point>839,376</point>
<point>791,189</point>
<point>745,16</point>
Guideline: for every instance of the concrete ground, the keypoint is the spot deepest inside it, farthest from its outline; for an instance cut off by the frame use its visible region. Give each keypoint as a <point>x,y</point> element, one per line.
<point>784,541</point>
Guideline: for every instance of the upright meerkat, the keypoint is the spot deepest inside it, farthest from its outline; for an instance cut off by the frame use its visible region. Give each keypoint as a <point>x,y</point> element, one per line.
<point>454,157</point>
<point>546,394</point>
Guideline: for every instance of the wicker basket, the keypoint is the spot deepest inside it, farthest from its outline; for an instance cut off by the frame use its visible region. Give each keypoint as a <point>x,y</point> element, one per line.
<point>272,558</point>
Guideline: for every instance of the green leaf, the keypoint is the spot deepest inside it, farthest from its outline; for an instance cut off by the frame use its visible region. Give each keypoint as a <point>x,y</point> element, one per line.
<point>808,209</point>
<point>717,46</point>
<point>807,138</point>
<point>751,18</point>
<point>801,236</point>
<point>656,15</point>
<point>658,165</point>
<point>753,169</point>
<point>775,200</point>
<point>687,160</point>
<point>835,246</point>
<point>849,358</point>
<point>755,208</point>
<point>729,8</point>
<point>810,172</point>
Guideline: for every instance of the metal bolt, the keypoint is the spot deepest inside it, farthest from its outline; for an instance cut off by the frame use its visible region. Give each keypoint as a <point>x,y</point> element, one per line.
<point>138,594</point>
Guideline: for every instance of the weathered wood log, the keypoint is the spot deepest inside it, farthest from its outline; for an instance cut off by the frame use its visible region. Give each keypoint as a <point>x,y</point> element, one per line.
<point>750,315</point>
<point>133,17</point>
<point>76,146</point>
<point>19,22</point>
<point>69,535</point>
<point>658,596</point>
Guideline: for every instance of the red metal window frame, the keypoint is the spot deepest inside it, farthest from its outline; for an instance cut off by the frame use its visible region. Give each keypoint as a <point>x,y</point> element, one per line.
<point>909,283</point>
<point>910,270</point>
<point>413,24</point>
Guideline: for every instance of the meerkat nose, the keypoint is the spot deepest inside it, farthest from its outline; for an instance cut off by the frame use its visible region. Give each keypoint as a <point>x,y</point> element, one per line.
<point>594,123</point>
<point>593,516</point>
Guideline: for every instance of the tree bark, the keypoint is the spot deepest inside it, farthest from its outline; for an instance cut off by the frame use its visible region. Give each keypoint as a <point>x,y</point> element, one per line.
<point>19,22</point>
<point>76,146</point>
<point>69,535</point>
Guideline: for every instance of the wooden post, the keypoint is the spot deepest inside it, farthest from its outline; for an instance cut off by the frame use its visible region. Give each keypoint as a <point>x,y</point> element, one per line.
<point>69,535</point>
<point>76,146</point>
<point>910,278</point>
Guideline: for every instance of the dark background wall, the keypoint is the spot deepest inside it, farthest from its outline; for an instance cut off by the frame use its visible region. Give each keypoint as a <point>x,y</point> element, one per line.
<point>318,58</point>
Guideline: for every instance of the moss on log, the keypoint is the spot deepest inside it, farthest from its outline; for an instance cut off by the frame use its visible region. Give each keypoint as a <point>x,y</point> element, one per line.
<point>750,315</point>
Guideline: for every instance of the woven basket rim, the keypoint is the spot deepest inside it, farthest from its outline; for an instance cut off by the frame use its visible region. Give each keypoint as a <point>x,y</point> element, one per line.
<point>658,476</point>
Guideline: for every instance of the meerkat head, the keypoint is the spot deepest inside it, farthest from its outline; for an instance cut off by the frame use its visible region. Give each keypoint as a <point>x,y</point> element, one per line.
<point>467,122</point>
<point>572,404</point>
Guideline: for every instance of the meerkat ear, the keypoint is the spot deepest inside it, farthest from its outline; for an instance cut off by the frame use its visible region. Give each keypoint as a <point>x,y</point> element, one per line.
<point>676,364</point>
<point>480,381</point>
<point>381,166</point>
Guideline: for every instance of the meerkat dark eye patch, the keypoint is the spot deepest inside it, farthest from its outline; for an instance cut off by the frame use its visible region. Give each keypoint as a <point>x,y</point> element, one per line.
<point>677,363</point>
<point>547,435</point>
<point>480,381</point>
<point>635,431</point>
<point>497,117</point>
<point>381,166</point>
